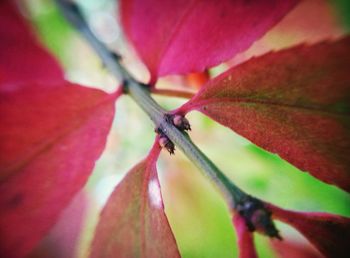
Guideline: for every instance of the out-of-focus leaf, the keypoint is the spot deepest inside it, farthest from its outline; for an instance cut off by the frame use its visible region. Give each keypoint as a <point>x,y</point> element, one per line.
<point>289,249</point>
<point>295,103</point>
<point>133,222</point>
<point>343,8</point>
<point>63,239</point>
<point>329,233</point>
<point>176,37</point>
<point>245,238</point>
<point>51,134</point>
<point>310,22</point>
<point>21,57</point>
<point>50,138</point>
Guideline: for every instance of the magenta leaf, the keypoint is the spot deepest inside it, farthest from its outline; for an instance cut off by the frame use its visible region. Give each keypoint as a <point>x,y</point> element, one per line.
<point>295,103</point>
<point>133,222</point>
<point>50,138</point>
<point>51,134</point>
<point>21,57</point>
<point>178,36</point>
<point>245,238</point>
<point>63,239</point>
<point>329,233</point>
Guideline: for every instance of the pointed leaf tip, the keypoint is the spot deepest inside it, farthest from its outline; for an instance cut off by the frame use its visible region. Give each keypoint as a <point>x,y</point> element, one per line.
<point>133,222</point>
<point>293,102</point>
<point>179,37</point>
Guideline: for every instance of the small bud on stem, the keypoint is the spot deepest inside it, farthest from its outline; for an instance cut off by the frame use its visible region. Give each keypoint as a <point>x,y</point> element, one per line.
<point>257,217</point>
<point>179,121</point>
<point>165,142</point>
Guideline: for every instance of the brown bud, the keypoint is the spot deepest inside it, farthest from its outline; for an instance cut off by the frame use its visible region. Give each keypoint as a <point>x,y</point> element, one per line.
<point>181,123</point>
<point>261,219</point>
<point>166,143</point>
<point>257,217</point>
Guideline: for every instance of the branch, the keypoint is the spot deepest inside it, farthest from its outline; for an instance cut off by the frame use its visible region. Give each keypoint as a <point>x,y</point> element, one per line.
<point>236,198</point>
<point>172,93</point>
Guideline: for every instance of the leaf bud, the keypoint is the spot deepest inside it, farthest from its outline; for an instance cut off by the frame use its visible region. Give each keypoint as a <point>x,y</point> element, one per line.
<point>166,143</point>
<point>181,123</point>
<point>257,217</point>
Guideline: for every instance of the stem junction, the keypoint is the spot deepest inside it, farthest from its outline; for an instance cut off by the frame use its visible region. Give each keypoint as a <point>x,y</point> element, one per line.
<point>237,199</point>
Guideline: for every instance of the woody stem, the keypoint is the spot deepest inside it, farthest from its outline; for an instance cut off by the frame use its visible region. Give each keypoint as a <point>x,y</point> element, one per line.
<point>141,95</point>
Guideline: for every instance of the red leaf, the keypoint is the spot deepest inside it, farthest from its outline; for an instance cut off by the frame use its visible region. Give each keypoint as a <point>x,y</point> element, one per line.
<point>294,103</point>
<point>188,36</point>
<point>133,223</point>
<point>21,57</point>
<point>245,238</point>
<point>293,249</point>
<point>311,21</point>
<point>63,239</point>
<point>329,233</point>
<point>50,138</point>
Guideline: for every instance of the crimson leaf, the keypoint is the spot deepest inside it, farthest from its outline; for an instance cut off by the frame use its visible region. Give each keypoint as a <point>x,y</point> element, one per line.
<point>21,57</point>
<point>329,233</point>
<point>294,103</point>
<point>181,36</point>
<point>51,133</point>
<point>63,239</point>
<point>133,222</point>
<point>50,137</point>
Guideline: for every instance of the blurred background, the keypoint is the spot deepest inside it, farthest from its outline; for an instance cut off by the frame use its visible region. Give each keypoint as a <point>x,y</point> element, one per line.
<point>198,215</point>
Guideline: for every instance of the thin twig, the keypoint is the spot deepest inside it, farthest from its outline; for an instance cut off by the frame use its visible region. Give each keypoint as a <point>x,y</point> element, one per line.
<point>172,93</point>
<point>157,114</point>
<point>253,210</point>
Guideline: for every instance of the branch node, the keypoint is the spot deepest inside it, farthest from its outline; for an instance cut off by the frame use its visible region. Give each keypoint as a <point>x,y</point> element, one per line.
<point>179,121</point>
<point>164,141</point>
<point>146,86</point>
<point>125,86</point>
<point>116,56</point>
<point>257,217</point>
<point>170,127</point>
